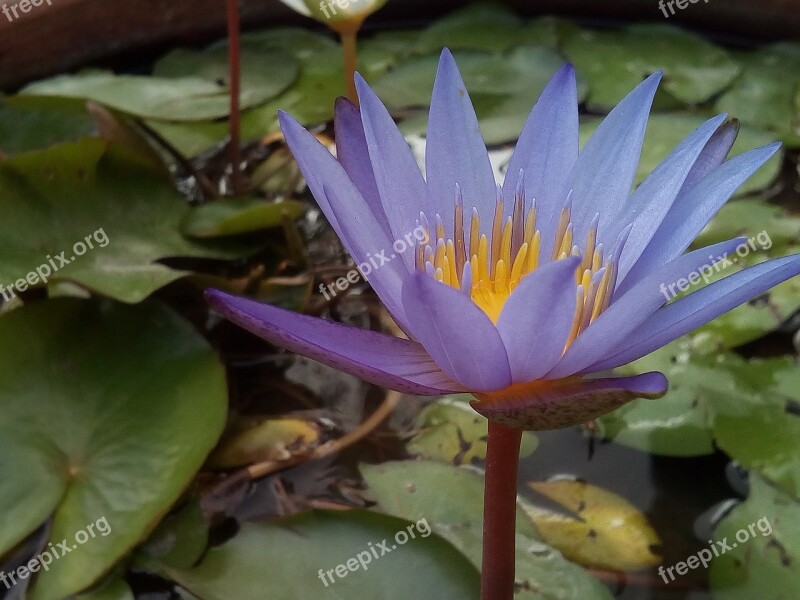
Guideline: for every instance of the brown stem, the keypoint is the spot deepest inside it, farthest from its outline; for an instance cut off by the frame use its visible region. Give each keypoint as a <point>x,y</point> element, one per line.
<point>349,47</point>
<point>234,62</point>
<point>500,512</point>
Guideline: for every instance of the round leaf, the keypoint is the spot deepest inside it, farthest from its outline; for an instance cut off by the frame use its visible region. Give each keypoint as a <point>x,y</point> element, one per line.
<point>108,411</point>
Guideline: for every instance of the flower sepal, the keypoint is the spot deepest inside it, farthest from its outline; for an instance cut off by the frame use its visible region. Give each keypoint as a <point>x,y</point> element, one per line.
<point>557,403</point>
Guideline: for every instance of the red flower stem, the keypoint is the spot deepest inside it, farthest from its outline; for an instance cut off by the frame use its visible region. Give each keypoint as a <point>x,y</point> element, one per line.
<point>349,48</point>
<point>234,61</point>
<point>500,512</point>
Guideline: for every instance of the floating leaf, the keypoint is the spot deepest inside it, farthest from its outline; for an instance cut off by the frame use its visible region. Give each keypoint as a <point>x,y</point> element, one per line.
<point>678,423</point>
<point>757,429</point>
<point>667,130</point>
<point>114,588</point>
<point>764,94</point>
<point>764,561</point>
<point>477,27</point>
<point>184,99</point>
<point>413,490</point>
<point>109,410</point>
<point>453,433</point>
<point>23,129</point>
<point>271,440</point>
<point>61,196</point>
<point>238,215</point>
<point>609,533</point>
<point>181,539</point>
<point>423,567</point>
<point>614,62</point>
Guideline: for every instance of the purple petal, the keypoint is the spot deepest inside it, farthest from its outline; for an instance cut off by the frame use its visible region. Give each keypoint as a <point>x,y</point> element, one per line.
<point>693,210</point>
<point>627,312</point>
<point>700,307</point>
<point>543,405</point>
<point>353,154</point>
<point>548,146</point>
<point>713,155</point>
<point>381,359</point>
<point>456,333</point>
<point>349,214</point>
<point>649,204</point>
<point>537,318</point>
<point>603,174</point>
<point>455,152</point>
<point>397,175</point>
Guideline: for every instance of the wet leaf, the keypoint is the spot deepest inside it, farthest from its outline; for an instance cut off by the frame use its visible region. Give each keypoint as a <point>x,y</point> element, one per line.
<point>423,567</point>
<point>109,410</point>
<point>271,440</point>
<point>764,94</point>
<point>131,213</point>
<point>667,130</point>
<point>453,433</point>
<point>764,563</point>
<point>614,62</point>
<point>613,534</point>
<point>238,215</point>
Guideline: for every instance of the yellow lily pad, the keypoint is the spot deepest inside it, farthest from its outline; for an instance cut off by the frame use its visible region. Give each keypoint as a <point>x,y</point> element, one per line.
<point>271,440</point>
<point>608,533</point>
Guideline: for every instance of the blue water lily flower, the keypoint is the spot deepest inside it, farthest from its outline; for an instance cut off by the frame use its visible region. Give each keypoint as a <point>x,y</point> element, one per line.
<point>521,294</point>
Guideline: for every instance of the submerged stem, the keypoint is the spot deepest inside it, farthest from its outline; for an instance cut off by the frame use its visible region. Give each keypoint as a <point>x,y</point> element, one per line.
<point>234,65</point>
<point>499,512</point>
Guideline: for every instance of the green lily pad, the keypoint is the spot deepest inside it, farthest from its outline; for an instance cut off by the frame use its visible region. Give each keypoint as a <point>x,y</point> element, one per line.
<point>667,130</point>
<point>423,567</point>
<point>181,539</point>
<point>23,129</point>
<point>614,62</point>
<point>503,88</point>
<point>453,433</point>
<point>678,423</point>
<point>758,431</point>
<point>550,32</point>
<point>413,490</point>
<point>486,27</point>
<point>88,193</point>
<point>179,99</point>
<point>764,560</point>
<point>114,588</point>
<point>238,215</point>
<point>264,73</point>
<point>109,410</point>
<point>764,94</point>
<point>773,227</point>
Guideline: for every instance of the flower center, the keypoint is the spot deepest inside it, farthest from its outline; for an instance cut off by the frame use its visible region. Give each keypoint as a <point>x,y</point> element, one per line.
<point>488,268</point>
